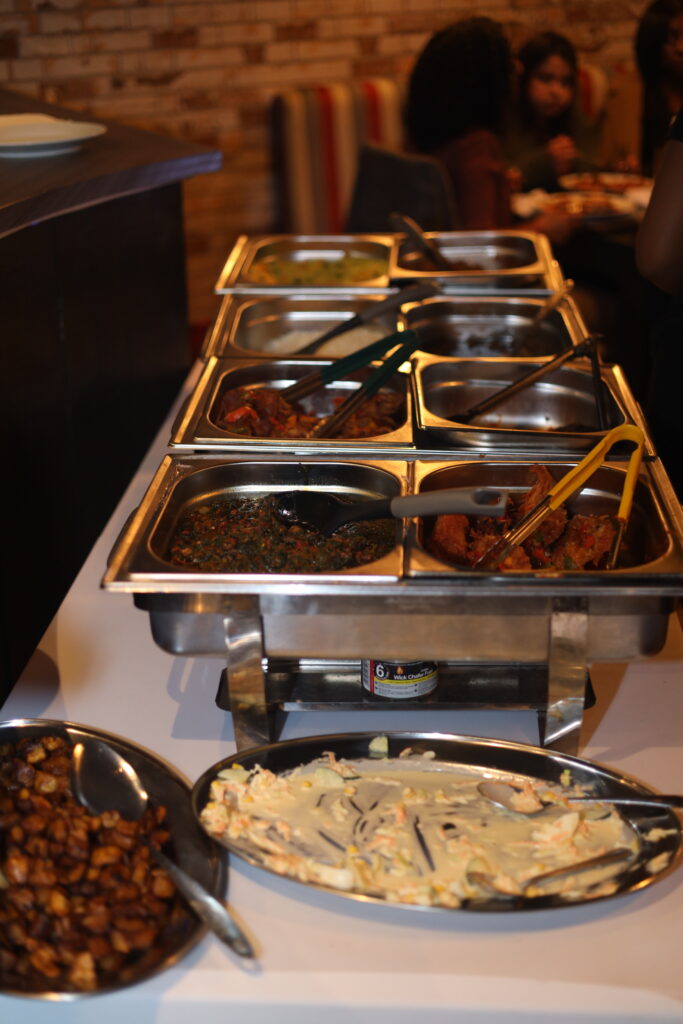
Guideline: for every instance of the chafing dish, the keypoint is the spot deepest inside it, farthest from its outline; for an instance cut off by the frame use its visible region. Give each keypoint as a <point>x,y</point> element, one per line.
<point>247,326</point>
<point>557,414</point>
<point>482,260</point>
<point>285,252</point>
<point>404,606</point>
<point>492,326</point>
<point>650,552</point>
<point>196,426</point>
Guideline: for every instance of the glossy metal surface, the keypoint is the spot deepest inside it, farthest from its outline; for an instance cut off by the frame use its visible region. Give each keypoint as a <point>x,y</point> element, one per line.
<point>196,427</point>
<point>492,326</point>
<point>500,759</point>
<point>294,248</point>
<point>189,844</point>
<point>246,325</point>
<point>553,415</point>
<point>504,261</point>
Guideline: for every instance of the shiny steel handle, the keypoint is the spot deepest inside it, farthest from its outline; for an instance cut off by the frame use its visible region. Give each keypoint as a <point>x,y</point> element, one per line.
<point>211,911</point>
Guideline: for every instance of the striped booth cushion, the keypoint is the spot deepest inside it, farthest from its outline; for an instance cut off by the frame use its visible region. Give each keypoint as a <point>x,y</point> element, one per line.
<point>317,131</point>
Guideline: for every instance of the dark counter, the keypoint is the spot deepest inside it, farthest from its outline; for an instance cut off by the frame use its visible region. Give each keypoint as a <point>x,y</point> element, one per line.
<point>94,345</point>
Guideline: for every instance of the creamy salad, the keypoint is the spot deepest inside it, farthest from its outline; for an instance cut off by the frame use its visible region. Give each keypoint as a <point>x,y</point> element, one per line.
<point>413,830</point>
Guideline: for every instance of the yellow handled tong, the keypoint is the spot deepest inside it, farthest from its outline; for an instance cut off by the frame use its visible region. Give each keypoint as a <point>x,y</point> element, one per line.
<point>568,485</point>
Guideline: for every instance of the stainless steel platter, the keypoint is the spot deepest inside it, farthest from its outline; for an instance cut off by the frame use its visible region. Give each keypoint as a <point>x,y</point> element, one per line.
<point>190,847</point>
<point>197,426</point>
<point>287,260</point>
<point>483,261</point>
<point>658,829</point>
<point>556,414</point>
<point>249,326</point>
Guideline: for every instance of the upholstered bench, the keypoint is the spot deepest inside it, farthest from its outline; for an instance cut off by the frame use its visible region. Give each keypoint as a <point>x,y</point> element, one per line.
<point>317,132</point>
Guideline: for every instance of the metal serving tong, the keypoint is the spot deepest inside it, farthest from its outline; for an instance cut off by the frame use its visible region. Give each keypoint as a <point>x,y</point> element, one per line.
<point>570,483</point>
<point>587,347</point>
<point>414,293</point>
<point>401,222</point>
<point>347,364</point>
<point>330,426</point>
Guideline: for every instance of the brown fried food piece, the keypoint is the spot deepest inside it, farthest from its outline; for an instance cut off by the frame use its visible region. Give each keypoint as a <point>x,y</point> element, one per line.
<point>553,525</point>
<point>449,538</point>
<point>71,883</point>
<point>483,542</point>
<point>586,541</point>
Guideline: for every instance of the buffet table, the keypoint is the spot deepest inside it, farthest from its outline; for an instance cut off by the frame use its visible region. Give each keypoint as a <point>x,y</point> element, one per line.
<point>322,957</point>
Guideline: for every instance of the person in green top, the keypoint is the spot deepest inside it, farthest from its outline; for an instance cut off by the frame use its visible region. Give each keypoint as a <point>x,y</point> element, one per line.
<point>547,135</point>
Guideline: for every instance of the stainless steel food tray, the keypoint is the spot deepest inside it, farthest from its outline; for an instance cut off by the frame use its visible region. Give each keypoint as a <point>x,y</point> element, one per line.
<point>246,324</point>
<point>658,829</point>
<point>493,326</point>
<point>503,260</point>
<point>652,549</point>
<point>554,415</point>
<point>290,249</point>
<point>508,261</point>
<point>196,426</point>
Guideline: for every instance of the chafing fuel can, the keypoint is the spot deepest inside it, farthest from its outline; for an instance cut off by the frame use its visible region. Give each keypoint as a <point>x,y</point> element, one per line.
<point>401,680</point>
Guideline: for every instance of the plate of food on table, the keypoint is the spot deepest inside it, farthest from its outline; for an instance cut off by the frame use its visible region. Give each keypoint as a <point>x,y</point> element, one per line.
<point>594,208</point>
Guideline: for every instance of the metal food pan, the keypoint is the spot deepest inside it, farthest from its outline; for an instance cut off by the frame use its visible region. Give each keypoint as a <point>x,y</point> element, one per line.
<point>556,415</point>
<point>197,426</point>
<point>249,326</point>
<point>482,260</point>
<point>651,549</point>
<point>140,555</point>
<point>292,253</point>
<point>492,327</point>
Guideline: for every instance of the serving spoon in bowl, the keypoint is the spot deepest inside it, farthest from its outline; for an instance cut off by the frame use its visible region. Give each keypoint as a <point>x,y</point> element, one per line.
<point>103,780</point>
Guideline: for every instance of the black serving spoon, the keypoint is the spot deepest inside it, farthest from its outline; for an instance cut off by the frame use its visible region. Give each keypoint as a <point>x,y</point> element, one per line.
<point>327,513</point>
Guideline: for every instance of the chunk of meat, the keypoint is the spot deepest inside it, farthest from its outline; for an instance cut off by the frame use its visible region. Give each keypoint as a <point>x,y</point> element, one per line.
<point>586,541</point>
<point>449,538</point>
<point>553,525</point>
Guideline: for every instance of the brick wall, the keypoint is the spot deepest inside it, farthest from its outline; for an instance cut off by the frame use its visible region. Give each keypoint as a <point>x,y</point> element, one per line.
<point>205,70</point>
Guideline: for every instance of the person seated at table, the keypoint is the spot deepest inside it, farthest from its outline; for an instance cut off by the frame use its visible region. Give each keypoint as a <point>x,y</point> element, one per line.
<point>459,95</point>
<point>659,255</point>
<point>659,56</point>
<point>547,135</point>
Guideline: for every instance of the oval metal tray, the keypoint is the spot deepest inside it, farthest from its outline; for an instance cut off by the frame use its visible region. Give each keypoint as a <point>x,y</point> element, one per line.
<point>191,848</point>
<point>657,855</point>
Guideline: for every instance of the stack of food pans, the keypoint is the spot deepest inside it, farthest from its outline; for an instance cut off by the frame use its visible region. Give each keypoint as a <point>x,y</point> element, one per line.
<point>477,333</point>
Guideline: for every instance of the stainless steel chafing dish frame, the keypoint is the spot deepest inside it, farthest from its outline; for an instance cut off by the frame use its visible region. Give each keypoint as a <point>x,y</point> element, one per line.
<point>540,275</point>
<point>234,275</point>
<point>291,641</point>
<point>435,431</point>
<point>194,429</point>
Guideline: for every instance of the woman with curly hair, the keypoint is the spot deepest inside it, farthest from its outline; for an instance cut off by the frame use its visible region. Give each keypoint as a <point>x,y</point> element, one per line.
<point>458,98</point>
